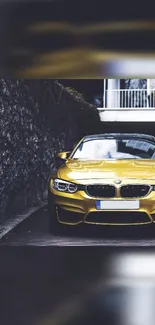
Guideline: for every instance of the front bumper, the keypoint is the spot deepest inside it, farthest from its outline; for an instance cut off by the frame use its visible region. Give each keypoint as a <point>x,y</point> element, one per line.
<point>77,208</point>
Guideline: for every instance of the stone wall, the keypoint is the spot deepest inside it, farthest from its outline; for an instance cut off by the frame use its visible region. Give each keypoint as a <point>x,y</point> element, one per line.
<point>38,118</point>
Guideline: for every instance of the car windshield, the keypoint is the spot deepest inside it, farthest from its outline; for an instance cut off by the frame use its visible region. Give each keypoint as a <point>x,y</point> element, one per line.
<point>99,149</point>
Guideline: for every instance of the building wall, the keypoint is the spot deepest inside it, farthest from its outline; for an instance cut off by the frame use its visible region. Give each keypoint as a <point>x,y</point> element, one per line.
<point>152,83</point>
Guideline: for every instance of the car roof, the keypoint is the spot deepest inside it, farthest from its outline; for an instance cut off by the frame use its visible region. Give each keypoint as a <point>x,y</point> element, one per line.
<point>120,135</point>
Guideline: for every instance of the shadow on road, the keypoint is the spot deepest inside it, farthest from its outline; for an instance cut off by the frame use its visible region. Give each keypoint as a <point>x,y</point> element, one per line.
<point>108,232</point>
<point>35,230</point>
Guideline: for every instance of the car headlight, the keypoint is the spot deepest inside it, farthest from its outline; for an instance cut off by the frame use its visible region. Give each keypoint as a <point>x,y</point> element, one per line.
<point>64,186</point>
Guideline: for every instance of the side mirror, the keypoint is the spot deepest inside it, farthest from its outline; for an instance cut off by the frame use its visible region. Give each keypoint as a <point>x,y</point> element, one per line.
<point>63,155</point>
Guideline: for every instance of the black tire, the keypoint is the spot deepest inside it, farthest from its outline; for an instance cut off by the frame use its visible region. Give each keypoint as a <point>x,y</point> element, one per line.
<point>53,221</point>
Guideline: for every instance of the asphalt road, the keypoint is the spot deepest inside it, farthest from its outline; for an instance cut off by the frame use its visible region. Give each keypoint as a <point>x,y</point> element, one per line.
<point>60,285</point>
<point>44,286</point>
<point>34,231</point>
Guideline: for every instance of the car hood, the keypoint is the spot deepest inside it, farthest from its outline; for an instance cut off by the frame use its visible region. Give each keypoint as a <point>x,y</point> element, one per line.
<point>111,169</point>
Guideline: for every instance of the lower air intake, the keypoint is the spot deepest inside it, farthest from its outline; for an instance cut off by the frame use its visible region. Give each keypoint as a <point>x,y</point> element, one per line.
<point>118,217</point>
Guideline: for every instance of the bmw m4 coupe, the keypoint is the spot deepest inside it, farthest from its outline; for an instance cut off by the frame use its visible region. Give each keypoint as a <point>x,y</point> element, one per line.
<point>108,179</point>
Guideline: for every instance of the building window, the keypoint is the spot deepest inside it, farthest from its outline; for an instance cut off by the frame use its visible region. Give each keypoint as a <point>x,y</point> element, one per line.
<point>151,92</point>
<point>122,83</point>
<point>135,94</point>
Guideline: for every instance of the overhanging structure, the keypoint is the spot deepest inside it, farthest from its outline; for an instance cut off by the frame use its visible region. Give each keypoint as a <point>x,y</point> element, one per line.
<point>127,105</point>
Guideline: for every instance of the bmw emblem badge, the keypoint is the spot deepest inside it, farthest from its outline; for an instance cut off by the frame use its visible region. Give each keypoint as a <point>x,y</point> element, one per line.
<point>118,182</point>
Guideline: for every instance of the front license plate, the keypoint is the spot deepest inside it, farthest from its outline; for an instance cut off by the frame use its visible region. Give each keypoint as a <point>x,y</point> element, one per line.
<point>117,205</point>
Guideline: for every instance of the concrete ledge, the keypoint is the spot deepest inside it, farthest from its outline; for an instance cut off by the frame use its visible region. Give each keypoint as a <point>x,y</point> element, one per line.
<point>126,115</point>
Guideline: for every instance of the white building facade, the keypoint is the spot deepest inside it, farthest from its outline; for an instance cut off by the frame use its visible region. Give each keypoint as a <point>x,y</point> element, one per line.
<point>131,100</point>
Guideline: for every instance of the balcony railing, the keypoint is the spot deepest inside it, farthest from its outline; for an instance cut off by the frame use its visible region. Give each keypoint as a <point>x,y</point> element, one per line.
<point>129,98</point>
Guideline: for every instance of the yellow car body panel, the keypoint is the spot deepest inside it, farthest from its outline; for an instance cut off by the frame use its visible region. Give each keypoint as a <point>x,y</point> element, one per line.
<point>128,172</point>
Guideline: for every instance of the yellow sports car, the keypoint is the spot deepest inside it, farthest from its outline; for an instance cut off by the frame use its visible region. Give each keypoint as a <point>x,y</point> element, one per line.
<point>108,179</point>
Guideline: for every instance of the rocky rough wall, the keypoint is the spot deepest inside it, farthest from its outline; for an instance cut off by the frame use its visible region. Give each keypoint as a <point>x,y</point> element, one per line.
<point>38,118</point>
